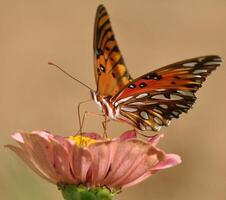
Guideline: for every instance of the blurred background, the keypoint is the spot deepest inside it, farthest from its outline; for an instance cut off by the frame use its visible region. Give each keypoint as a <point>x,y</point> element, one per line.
<point>151,34</point>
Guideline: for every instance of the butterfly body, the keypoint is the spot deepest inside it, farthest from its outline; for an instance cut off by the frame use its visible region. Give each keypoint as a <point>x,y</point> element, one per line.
<point>149,101</point>
<point>106,106</point>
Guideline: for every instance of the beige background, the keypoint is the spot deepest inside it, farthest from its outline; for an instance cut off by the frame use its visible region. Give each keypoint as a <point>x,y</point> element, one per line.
<point>151,34</point>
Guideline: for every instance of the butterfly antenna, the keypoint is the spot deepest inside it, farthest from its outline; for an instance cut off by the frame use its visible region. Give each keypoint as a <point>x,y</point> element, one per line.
<point>61,69</point>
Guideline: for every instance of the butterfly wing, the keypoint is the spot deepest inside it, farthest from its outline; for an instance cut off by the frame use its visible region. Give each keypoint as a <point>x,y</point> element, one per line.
<point>152,100</point>
<point>110,71</point>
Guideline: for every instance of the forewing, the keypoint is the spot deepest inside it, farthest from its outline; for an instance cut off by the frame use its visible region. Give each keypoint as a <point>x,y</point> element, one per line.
<point>110,71</point>
<point>152,100</point>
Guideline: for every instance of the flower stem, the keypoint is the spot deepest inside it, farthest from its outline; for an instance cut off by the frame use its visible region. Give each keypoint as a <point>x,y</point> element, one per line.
<point>72,192</point>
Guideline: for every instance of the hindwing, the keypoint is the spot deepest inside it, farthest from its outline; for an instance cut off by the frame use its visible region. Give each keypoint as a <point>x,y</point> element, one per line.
<point>152,100</point>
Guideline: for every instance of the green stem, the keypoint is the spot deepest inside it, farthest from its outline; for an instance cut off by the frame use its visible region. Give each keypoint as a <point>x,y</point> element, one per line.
<point>72,192</point>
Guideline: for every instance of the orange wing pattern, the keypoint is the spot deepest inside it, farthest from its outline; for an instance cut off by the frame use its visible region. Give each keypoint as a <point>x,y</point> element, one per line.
<point>110,71</point>
<point>153,99</point>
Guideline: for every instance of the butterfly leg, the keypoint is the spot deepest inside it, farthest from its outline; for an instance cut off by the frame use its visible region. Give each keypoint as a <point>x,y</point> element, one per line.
<point>91,114</point>
<point>104,124</point>
<point>79,115</point>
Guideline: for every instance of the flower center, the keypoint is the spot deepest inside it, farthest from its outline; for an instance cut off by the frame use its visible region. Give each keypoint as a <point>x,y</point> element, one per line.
<point>82,140</point>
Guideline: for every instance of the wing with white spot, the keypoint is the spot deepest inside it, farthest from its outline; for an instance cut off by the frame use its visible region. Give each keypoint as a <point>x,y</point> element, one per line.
<point>152,100</point>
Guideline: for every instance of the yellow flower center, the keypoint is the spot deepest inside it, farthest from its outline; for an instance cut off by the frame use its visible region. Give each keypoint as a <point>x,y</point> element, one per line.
<point>82,140</point>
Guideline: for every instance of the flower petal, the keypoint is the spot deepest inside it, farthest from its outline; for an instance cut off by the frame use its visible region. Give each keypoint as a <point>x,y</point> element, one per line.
<point>128,135</point>
<point>103,154</point>
<point>154,140</point>
<point>116,163</point>
<point>29,162</point>
<point>92,135</point>
<point>61,163</point>
<point>169,161</point>
<point>18,137</point>
<point>132,158</point>
<point>81,160</point>
<point>42,153</point>
<point>142,158</point>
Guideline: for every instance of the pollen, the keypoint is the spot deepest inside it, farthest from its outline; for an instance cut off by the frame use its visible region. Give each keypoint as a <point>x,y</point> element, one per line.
<point>82,140</point>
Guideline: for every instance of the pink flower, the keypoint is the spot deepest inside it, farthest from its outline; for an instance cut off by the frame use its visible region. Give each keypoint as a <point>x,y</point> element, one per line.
<point>90,160</point>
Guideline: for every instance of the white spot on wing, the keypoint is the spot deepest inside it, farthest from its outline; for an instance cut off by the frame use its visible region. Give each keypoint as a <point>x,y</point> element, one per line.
<point>175,97</point>
<point>127,109</point>
<point>160,90</point>
<point>137,103</point>
<point>217,59</point>
<point>181,106</point>
<point>201,59</point>
<point>198,71</point>
<point>160,96</point>
<point>168,122</point>
<point>144,115</point>
<point>212,63</point>
<point>141,95</point>
<point>190,64</point>
<point>158,120</point>
<point>164,106</point>
<point>175,113</point>
<point>142,103</point>
<point>157,127</point>
<point>142,127</point>
<point>157,110</point>
<point>186,93</point>
<point>122,100</point>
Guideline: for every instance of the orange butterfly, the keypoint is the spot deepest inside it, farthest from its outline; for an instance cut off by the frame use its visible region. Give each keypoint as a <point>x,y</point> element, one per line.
<point>152,100</point>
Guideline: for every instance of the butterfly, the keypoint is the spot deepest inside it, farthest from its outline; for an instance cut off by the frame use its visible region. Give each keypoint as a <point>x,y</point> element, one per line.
<point>148,102</point>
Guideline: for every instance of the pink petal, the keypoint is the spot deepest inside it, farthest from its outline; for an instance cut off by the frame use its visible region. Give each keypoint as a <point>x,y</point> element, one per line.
<point>143,161</point>
<point>81,160</point>
<point>139,179</point>
<point>92,135</point>
<point>128,135</point>
<point>169,161</point>
<point>121,162</point>
<point>44,134</point>
<point>61,163</point>
<point>132,159</point>
<point>103,154</point>
<point>29,162</point>
<point>47,154</point>
<point>18,137</point>
<point>154,140</point>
